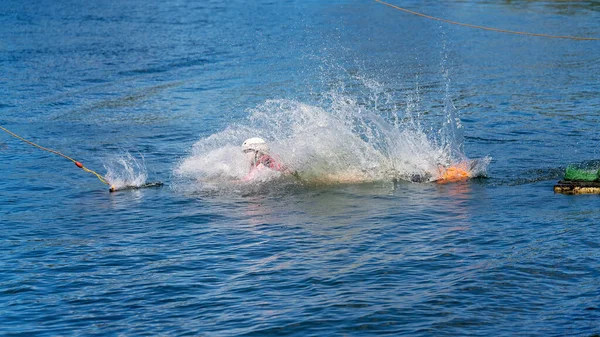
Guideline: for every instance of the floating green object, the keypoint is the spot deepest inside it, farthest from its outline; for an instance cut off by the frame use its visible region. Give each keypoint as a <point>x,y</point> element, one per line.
<point>582,178</point>
<point>573,173</point>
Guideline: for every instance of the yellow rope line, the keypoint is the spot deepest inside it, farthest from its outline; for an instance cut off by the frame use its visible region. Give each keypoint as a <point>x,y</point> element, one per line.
<point>486,28</point>
<point>78,164</point>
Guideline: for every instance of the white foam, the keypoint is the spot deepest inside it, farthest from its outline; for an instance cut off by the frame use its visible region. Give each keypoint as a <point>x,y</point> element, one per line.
<point>340,140</point>
<point>126,170</point>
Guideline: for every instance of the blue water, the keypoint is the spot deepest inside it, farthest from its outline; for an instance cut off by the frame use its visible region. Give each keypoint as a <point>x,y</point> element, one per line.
<point>167,90</point>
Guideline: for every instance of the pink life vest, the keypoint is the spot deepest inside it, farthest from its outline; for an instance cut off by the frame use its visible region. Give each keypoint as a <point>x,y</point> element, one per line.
<point>265,161</point>
<point>269,162</point>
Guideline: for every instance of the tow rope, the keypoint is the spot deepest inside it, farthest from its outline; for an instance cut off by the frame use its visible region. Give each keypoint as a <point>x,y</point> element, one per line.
<point>112,188</point>
<point>487,28</point>
<point>77,163</point>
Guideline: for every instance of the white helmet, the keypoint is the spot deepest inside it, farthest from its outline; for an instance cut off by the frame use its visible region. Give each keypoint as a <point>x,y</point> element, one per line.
<point>256,144</point>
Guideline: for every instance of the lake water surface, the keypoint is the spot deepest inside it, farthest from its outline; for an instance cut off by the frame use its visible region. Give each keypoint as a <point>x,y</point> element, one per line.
<point>168,90</point>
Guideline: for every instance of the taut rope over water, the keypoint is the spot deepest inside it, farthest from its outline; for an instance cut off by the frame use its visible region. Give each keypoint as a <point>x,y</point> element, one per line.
<point>77,163</point>
<point>487,28</point>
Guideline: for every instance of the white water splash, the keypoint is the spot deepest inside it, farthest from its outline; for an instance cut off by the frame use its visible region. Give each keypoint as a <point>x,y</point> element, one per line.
<point>341,140</point>
<point>126,171</point>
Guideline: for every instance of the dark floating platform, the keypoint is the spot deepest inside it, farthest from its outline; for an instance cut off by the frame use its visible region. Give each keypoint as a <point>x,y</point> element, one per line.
<point>130,187</point>
<point>577,187</point>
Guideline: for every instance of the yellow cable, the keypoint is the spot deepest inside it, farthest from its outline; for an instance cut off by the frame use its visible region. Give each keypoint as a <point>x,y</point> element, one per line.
<point>486,28</point>
<point>101,178</point>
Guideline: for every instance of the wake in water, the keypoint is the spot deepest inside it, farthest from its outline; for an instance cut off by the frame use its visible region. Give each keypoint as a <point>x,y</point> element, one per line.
<point>347,142</point>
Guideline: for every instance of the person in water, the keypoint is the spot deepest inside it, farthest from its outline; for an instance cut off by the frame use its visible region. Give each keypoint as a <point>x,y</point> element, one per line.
<point>256,152</point>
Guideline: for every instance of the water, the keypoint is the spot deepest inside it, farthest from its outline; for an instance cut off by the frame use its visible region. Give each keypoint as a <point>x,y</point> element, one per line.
<point>354,96</point>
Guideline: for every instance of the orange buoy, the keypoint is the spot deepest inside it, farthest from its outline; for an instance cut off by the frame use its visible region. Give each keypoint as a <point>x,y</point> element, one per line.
<point>455,173</point>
